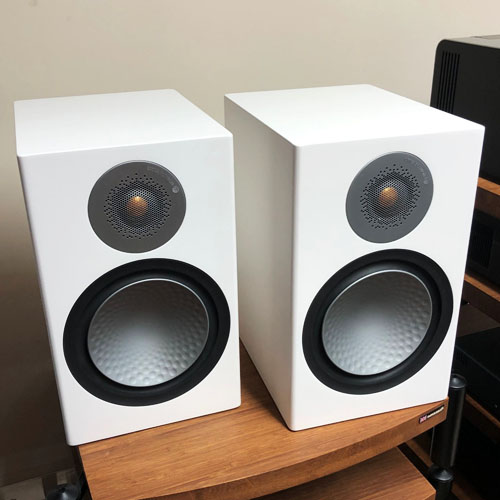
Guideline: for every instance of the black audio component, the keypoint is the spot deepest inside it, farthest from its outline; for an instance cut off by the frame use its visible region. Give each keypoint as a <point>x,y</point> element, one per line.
<point>467,83</point>
<point>484,246</point>
<point>477,358</point>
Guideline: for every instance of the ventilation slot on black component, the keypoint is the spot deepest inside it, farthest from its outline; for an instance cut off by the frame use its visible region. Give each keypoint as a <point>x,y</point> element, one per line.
<point>447,81</point>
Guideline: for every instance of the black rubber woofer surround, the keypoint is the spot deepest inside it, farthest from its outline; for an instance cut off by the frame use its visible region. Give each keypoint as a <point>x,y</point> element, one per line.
<point>77,325</point>
<point>441,294</point>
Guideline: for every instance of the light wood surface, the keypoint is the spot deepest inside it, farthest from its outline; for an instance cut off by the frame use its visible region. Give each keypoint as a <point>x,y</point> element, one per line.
<point>482,294</point>
<point>389,476</point>
<point>240,454</point>
<point>488,197</point>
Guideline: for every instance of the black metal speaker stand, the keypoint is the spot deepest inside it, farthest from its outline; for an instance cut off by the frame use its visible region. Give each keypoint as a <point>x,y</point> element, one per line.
<point>69,491</point>
<point>445,440</point>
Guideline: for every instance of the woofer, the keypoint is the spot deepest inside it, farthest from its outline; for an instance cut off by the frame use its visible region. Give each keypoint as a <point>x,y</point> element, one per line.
<point>146,332</point>
<point>377,321</point>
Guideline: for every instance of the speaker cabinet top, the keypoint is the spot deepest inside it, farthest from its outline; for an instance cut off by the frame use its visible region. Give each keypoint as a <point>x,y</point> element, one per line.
<point>324,115</point>
<point>99,121</point>
<point>490,41</point>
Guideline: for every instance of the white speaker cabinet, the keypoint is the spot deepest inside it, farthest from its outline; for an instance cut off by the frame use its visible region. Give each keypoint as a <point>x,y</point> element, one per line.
<point>130,199</point>
<point>353,215</point>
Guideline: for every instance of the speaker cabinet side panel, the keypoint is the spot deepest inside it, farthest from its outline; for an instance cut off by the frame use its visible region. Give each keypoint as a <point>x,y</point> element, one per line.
<point>26,164</point>
<point>264,171</point>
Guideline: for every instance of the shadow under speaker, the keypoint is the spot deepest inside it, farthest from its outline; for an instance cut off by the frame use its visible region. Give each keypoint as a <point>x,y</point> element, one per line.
<point>353,216</point>
<point>130,199</point>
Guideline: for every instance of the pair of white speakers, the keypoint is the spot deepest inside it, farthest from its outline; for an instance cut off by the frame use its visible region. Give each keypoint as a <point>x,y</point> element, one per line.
<point>352,215</point>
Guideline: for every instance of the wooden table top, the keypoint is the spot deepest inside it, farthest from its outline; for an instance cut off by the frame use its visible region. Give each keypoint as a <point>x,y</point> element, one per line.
<point>242,453</point>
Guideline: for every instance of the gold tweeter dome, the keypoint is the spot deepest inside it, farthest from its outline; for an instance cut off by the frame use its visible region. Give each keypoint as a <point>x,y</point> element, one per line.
<point>137,206</point>
<point>388,197</point>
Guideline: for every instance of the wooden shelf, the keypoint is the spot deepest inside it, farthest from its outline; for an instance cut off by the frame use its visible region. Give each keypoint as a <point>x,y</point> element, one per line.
<point>389,476</point>
<point>482,419</point>
<point>482,294</point>
<point>488,197</point>
<point>242,453</point>
<point>485,296</point>
<point>477,290</point>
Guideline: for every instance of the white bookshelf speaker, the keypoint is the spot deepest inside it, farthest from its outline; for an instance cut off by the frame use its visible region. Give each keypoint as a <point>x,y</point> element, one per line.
<point>130,199</point>
<point>353,210</point>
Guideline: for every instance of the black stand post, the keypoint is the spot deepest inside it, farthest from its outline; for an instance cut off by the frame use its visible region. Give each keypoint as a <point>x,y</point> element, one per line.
<point>445,440</point>
<point>69,491</point>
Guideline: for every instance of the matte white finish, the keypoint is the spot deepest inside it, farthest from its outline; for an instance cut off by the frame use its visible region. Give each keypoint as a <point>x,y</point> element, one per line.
<point>110,120</point>
<point>58,174</point>
<point>296,154</point>
<point>322,115</point>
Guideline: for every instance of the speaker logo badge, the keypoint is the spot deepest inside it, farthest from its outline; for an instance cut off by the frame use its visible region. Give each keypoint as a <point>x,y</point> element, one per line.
<point>431,414</point>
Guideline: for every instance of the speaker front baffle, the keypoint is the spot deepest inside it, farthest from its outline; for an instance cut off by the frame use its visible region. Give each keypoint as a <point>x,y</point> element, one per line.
<point>130,199</point>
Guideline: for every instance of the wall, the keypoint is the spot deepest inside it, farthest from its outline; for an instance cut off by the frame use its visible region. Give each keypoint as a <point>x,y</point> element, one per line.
<point>204,49</point>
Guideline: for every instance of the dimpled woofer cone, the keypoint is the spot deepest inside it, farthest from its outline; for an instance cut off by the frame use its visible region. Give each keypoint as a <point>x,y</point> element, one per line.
<point>377,322</point>
<point>148,333</point>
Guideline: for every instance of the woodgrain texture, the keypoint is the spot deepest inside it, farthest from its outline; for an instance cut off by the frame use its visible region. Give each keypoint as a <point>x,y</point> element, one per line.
<point>488,197</point>
<point>482,418</point>
<point>482,294</point>
<point>239,454</point>
<point>389,476</point>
